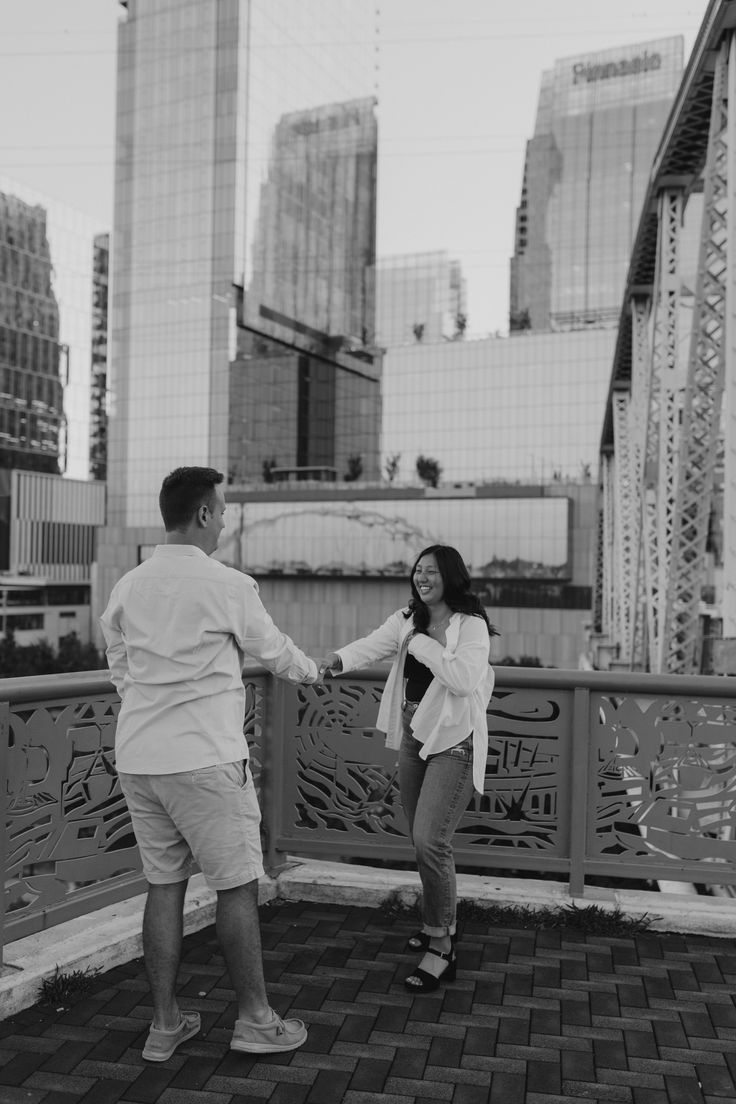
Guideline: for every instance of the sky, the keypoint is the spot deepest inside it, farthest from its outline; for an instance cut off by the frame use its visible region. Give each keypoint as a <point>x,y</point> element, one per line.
<point>457,85</point>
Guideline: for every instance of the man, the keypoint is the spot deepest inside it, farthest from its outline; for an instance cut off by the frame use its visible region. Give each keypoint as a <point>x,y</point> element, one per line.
<point>177,628</point>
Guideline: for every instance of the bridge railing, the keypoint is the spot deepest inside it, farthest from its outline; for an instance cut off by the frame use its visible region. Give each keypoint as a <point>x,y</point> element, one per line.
<point>589,774</point>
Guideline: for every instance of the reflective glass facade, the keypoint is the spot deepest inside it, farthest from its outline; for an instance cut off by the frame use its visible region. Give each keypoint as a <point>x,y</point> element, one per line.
<point>599,121</point>
<point>527,408</point>
<point>31,405</point>
<point>500,538</point>
<point>46,271</point>
<point>243,310</point>
<point>333,562</point>
<point>419,297</point>
<point>292,412</point>
<point>311,253</point>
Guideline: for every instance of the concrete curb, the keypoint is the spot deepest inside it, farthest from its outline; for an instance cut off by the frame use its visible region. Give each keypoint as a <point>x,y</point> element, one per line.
<point>364,886</point>
<point>100,940</point>
<point>111,936</point>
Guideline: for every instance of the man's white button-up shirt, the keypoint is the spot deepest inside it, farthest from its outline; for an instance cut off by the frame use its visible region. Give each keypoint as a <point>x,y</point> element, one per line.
<point>177,629</point>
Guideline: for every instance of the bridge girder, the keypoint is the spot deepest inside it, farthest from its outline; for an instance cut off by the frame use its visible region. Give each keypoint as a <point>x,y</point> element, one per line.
<point>667,428</point>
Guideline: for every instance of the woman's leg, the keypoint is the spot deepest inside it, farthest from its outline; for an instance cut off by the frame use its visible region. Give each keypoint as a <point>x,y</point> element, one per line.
<point>445,791</point>
<point>411,774</point>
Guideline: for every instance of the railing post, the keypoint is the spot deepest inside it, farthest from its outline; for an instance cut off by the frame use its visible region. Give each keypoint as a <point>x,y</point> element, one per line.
<point>579,813</point>
<point>272,769</point>
<point>4,743</point>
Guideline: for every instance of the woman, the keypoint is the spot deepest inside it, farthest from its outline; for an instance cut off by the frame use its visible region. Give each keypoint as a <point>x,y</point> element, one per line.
<point>433,709</point>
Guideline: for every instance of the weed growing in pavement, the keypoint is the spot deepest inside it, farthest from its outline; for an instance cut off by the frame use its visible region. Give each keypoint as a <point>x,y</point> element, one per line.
<point>62,988</point>
<point>590,919</point>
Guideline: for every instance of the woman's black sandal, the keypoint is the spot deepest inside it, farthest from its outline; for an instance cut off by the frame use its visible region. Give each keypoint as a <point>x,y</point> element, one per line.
<point>419,941</point>
<point>428,982</point>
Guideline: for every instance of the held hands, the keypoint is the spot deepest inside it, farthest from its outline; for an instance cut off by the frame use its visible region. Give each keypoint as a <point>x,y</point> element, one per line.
<point>329,666</point>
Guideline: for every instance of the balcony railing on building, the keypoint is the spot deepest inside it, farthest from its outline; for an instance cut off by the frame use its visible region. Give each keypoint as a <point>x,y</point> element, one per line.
<point>589,775</point>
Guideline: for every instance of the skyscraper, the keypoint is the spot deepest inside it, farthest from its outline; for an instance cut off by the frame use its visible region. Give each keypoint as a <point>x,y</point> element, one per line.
<point>599,120</point>
<point>46,276</point>
<point>244,243</point>
<point>303,386</point>
<point>48,524</point>
<point>31,395</point>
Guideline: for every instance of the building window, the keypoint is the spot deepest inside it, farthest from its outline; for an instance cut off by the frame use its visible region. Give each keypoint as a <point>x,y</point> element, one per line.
<point>21,621</point>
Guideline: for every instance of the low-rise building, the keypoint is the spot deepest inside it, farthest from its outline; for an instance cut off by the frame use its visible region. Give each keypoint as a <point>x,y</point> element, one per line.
<point>48,547</point>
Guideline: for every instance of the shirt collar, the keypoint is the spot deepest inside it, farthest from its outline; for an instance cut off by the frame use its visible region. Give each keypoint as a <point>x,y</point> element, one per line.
<point>179,550</point>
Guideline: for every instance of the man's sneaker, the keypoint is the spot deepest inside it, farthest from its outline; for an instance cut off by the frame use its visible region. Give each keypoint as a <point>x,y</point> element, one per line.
<point>160,1044</point>
<point>268,1038</point>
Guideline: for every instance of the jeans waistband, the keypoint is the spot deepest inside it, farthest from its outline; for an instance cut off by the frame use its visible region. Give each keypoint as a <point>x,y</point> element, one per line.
<point>410,706</point>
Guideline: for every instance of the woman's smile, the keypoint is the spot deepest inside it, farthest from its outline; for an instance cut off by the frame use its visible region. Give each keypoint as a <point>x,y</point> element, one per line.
<point>428,580</point>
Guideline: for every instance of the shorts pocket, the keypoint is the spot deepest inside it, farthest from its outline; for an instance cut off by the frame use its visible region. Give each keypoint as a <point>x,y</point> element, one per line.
<point>236,773</point>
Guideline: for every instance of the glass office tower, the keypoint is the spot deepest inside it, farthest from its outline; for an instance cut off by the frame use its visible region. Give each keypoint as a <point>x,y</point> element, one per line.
<point>31,396</point>
<point>599,120</point>
<point>46,331</point>
<point>304,397</point>
<point>244,244</point>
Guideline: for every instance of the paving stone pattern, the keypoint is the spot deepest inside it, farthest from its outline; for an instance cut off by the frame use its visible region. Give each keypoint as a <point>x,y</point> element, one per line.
<point>534,1017</point>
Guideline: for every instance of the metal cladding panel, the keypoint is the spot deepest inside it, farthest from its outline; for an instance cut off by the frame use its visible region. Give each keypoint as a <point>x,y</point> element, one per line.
<point>53,527</point>
<point>40,497</point>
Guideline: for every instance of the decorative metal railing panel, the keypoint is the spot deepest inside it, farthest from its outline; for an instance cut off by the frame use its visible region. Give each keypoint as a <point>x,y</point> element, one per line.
<point>67,826</point>
<point>255,722</point>
<point>68,835</point>
<point>339,781</point>
<point>588,773</point>
<point>524,810</point>
<point>341,790</point>
<point>663,798</point>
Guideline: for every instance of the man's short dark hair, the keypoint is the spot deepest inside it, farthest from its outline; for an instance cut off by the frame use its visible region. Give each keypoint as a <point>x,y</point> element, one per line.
<point>183,491</point>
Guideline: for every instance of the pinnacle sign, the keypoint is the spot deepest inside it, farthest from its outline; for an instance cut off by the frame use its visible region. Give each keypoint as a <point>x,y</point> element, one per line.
<point>626,67</point>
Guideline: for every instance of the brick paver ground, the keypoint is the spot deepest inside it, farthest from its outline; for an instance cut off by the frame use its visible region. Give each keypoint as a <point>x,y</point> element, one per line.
<point>533,1018</point>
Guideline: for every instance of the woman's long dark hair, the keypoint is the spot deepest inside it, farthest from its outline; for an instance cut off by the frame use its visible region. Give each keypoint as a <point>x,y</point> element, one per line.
<point>456,588</point>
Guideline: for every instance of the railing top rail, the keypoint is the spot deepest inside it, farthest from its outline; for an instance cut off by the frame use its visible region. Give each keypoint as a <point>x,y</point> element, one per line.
<point>67,685</point>
<point>32,687</point>
<point>716,686</point>
<point>707,686</point>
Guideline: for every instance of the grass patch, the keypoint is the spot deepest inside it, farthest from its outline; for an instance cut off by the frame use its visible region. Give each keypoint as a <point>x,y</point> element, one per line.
<point>590,919</point>
<point>63,988</point>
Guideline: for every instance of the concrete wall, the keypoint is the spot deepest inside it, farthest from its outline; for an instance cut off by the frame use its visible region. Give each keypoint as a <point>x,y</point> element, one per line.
<point>322,614</point>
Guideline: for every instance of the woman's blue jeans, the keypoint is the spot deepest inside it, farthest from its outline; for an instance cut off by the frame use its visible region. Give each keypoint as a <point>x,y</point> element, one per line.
<point>435,793</point>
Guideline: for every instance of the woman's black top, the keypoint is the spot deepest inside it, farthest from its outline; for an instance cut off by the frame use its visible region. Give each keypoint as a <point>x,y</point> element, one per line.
<point>418,678</point>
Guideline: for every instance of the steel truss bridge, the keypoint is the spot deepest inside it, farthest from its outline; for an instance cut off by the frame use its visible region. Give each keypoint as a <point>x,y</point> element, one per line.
<point>666,565</point>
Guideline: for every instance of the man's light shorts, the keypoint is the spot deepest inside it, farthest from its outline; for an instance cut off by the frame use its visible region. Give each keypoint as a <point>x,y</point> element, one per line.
<point>209,817</point>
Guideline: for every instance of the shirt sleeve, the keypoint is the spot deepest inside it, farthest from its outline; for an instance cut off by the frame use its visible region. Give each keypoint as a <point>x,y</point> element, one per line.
<point>117,656</point>
<point>460,671</point>
<point>382,643</point>
<point>258,636</point>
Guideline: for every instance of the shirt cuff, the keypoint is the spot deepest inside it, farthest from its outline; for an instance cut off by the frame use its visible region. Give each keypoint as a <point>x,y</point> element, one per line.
<point>419,645</point>
<point>343,664</point>
<point>313,674</point>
